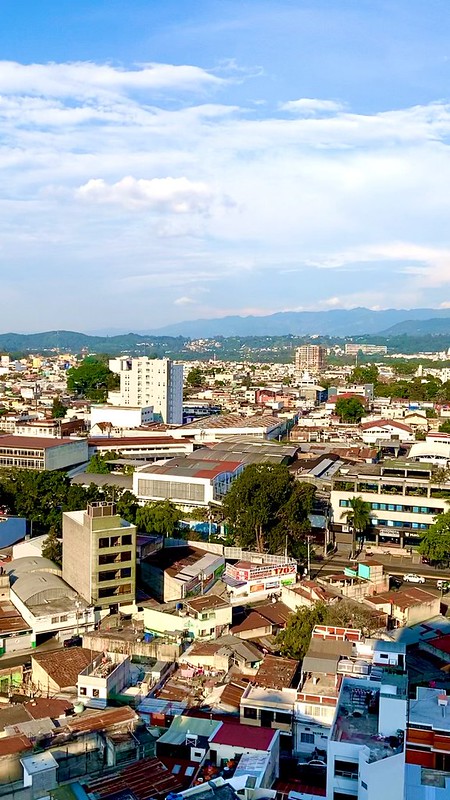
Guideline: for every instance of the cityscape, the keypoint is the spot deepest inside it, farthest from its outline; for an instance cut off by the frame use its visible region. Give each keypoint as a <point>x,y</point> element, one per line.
<point>224,400</point>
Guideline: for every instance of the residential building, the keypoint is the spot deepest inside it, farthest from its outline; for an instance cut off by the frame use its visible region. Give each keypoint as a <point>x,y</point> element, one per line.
<point>150,382</point>
<point>103,679</point>
<point>178,573</point>
<point>366,747</point>
<point>403,496</point>
<point>406,607</point>
<point>204,617</point>
<point>46,453</point>
<point>57,671</point>
<point>270,699</point>
<point>118,418</point>
<point>386,429</point>
<point>99,555</point>
<point>223,653</point>
<point>428,745</point>
<point>310,357</point>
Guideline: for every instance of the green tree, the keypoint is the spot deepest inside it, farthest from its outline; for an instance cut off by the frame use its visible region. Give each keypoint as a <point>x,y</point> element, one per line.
<point>194,377</point>
<point>159,517</point>
<point>364,374</point>
<point>98,465</point>
<point>294,640</point>
<point>92,379</point>
<point>349,409</point>
<point>435,543</point>
<point>58,408</point>
<point>267,509</point>
<point>445,426</point>
<point>350,614</point>
<point>127,506</point>
<point>52,547</point>
<point>358,518</point>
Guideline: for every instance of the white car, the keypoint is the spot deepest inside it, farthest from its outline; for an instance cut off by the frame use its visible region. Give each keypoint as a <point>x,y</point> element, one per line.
<point>413,578</point>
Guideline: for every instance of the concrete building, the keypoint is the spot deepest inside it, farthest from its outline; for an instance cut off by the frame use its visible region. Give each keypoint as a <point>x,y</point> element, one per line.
<point>188,482</point>
<point>46,453</point>
<point>311,357</point>
<point>353,348</point>
<point>366,748</point>
<point>205,617</point>
<point>428,745</point>
<point>99,555</point>
<point>120,417</point>
<point>150,382</point>
<point>386,429</point>
<point>244,578</point>
<point>103,679</point>
<point>403,497</point>
<point>45,601</point>
<point>178,573</point>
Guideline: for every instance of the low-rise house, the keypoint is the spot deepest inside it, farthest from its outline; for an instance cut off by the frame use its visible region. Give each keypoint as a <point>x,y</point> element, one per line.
<point>57,670</point>
<point>269,700</point>
<point>385,430</point>
<point>364,579</point>
<point>103,679</point>
<point>204,617</point>
<point>222,654</point>
<point>238,743</point>
<point>406,607</point>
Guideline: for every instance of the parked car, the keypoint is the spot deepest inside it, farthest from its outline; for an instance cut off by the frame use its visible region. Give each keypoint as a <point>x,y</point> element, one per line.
<point>411,577</point>
<point>74,641</point>
<point>444,586</point>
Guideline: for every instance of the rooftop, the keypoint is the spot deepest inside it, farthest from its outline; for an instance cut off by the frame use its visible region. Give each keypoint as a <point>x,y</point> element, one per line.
<point>223,421</point>
<point>147,778</point>
<point>206,603</point>
<point>63,666</point>
<point>276,672</point>
<point>34,442</point>
<point>185,467</point>
<point>426,710</point>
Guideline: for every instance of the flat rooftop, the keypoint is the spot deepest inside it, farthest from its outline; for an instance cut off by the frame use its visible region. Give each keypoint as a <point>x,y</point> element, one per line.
<point>282,699</point>
<point>425,709</point>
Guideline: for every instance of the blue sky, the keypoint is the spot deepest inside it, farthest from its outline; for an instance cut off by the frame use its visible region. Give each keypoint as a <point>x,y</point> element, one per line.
<point>164,160</point>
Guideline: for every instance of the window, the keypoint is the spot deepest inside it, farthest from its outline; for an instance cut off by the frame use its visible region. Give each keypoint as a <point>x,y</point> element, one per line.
<point>283,717</point>
<point>82,690</point>
<point>103,541</point>
<point>127,539</point>
<point>63,618</point>
<point>95,692</point>
<point>346,769</point>
<point>307,738</point>
<point>343,503</point>
<point>250,713</point>
<point>364,785</point>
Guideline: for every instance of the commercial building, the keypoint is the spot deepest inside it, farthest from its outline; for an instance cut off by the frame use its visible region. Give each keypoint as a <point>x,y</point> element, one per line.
<point>188,482</point>
<point>403,497</point>
<point>45,601</point>
<point>245,578</point>
<point>99,555</point>
<point>352,349</point>
<point>310,357</point>
<point>46,453</point>
<point>218,427</point>
<point>118,418</point>
<point>381,430</point>
<point>178,573</point>
<point>150,382</point>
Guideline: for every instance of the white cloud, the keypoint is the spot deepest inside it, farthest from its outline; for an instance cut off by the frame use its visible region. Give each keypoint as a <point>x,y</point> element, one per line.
<point>310,106</point>
<point>178,195</point>
<point>184,301</point>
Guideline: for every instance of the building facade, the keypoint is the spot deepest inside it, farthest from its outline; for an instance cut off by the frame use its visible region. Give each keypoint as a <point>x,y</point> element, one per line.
<point>150,382</point>
<point>310,357</point>
<point>99,555</point>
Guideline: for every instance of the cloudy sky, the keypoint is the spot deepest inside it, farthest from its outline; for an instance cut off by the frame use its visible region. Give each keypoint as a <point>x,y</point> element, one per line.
<point>164,160</point>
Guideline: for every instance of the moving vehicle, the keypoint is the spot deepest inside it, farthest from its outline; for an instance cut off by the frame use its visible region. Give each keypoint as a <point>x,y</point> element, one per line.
<point>443,585</point>
<point>411,577</point>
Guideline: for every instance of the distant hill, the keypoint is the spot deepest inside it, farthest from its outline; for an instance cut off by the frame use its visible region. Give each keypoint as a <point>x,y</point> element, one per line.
<point>336,322</point>
<point>73,342</point>
<point>436,326</point>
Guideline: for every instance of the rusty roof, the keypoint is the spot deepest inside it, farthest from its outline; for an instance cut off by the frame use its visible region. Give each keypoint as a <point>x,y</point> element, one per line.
<point>276,672</point>
<point>63,666</point>
<point>102,719</point>
<point>15,744</point>
<point>42,707</point>
<point>253,622</point>
<point>207,602</point>
<point>146,778</point>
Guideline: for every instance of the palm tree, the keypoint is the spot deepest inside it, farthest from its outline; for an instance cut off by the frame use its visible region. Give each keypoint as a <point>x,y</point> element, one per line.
<point>358,518</point>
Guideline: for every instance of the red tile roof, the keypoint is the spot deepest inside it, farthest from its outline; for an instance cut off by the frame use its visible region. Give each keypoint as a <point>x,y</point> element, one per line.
<point>246,736</point>
<point>33,442</point>
<point>381,423</point>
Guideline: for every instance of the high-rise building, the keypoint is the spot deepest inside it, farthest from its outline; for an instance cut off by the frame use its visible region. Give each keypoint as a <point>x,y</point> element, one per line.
<point>310,357</point>
<point>145,382</point>
<point>99,555</point>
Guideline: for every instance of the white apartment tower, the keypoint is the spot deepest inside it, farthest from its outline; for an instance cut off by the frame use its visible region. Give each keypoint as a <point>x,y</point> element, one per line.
<point>145,381</point>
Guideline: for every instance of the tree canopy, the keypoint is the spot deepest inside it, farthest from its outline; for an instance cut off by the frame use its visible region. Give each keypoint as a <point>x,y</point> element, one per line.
<point>267,509</point>
<point>158,517</point>
<point>58,409</point>
<point>52,547</point>
<point>435,543</point>
<point>367,373</point>
<point>92,379</point>
<point>194,377</point>
<point>349,409</point>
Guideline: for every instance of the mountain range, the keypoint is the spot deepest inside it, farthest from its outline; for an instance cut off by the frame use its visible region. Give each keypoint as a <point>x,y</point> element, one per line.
<point>355,322</point>
<point>335,322</point>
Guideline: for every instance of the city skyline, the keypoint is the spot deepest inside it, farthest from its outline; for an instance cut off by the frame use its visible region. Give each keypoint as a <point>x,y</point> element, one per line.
<point>167,163</point>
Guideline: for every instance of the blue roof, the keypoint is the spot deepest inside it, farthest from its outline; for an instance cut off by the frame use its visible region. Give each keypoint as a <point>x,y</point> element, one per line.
<point>12,530</point>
